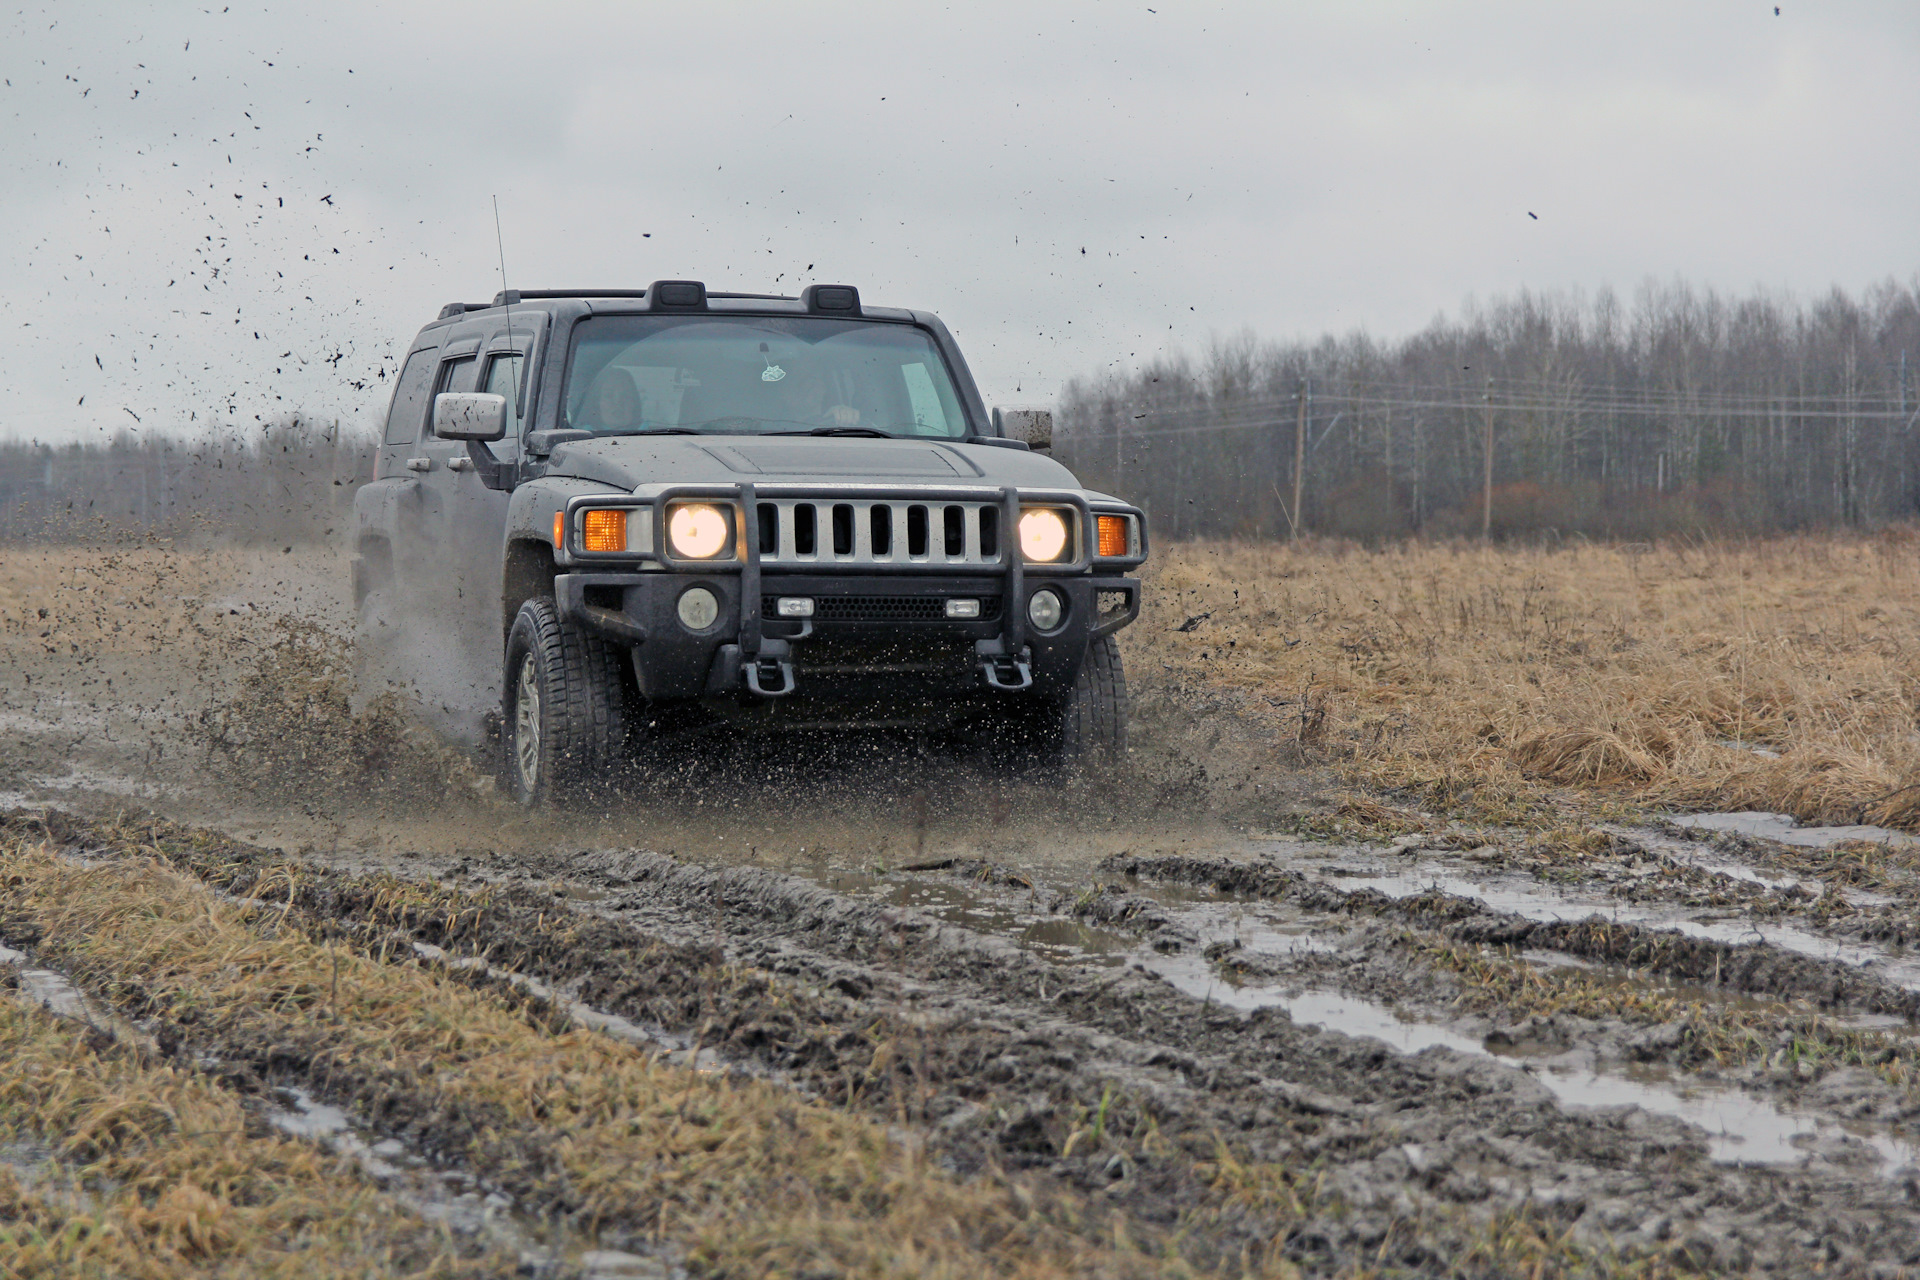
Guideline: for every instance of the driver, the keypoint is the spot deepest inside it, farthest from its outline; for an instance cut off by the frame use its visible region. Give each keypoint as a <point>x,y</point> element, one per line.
<point>811,401</point>
<point>615,403</point>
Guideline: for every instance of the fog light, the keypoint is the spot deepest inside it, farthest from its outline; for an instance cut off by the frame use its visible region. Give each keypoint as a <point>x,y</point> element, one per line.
<point>963,608</point>
<point>1044,610</point>
<point>794,606</point>
<point>698,609</point>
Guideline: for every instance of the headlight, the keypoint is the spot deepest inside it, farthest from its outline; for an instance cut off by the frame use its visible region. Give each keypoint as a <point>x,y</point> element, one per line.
<point>697,530</point>
<point>1043,534</point>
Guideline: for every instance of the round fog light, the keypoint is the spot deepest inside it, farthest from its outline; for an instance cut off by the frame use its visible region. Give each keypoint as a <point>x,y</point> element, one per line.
<point>1044,610</point>
<point>698,609</point>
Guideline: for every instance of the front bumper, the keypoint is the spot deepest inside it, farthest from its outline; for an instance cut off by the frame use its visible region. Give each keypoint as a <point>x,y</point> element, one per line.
<point>873,634</point>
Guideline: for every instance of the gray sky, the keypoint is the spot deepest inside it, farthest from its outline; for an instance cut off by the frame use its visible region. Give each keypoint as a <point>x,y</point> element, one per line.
<point>1071,186</point>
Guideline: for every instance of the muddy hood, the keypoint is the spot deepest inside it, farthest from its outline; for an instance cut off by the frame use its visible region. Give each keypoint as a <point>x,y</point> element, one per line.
<point>632,461</point>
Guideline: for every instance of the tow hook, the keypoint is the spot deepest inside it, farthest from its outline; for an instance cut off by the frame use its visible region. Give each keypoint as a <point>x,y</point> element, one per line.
<point>770,677</point>
<point>1007,673</point>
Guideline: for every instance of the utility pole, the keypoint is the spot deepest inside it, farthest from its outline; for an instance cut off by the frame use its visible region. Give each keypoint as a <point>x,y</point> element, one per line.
<point>1486,448</point>
<point>1299,455</point>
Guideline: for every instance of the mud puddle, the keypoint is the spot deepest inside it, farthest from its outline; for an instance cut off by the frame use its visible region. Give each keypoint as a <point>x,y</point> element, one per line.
<point>1531,900</point>
<point>1782,828</point>
<point>1740,1129</point>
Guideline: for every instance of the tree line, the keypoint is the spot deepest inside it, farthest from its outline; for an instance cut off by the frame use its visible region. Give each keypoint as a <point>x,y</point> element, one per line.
<point>1684,409</point>
<point>290,481</point>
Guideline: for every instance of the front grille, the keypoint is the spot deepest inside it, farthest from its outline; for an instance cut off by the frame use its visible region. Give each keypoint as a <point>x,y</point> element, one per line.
<point>880,608</point>
<point>868,532</point>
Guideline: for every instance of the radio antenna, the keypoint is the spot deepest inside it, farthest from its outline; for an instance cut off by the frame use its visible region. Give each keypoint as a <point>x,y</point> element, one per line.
<point>506,294</point>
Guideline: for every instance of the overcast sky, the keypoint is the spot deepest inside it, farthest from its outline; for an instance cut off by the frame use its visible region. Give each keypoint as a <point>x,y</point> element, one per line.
<point>220,211</point>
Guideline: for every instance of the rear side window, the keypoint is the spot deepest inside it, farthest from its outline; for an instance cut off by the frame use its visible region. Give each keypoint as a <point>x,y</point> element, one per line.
<point>410,399</point>
<point>507,376</point>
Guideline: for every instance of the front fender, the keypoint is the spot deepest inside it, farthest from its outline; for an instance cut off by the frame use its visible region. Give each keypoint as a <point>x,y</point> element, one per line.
<point>531,509</point>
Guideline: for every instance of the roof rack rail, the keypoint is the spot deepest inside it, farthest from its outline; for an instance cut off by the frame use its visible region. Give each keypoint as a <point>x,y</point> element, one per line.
<point>461,308</point>
<point>758,297</point>
<point>500,299</point>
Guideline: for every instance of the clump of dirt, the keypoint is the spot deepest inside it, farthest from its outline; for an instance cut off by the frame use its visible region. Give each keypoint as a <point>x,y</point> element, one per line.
<point>290,732</point>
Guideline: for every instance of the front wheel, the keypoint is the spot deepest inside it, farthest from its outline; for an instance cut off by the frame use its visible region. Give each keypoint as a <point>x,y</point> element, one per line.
<point>564,722</point>
<point>1092,725</point>
<point>1088,726</point>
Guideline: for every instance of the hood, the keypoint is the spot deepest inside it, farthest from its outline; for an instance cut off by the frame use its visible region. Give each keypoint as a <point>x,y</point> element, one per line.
<point>628,462</point>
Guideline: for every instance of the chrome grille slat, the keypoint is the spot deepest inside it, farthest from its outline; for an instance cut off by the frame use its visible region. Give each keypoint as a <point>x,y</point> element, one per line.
<point>786,551</point>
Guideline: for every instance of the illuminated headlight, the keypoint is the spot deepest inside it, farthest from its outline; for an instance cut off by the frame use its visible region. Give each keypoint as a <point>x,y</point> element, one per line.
<point>1043,534</point>
<point>1044,610</point>
<point>698,530</point>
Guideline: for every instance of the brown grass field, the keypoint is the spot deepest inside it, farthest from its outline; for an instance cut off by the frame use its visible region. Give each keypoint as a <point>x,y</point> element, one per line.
<point>1776,674</point>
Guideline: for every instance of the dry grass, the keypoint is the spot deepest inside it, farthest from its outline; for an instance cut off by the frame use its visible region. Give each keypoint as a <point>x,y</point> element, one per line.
<point>119,1166</point>
<point>1625,671</point>
<point>750,1178</point>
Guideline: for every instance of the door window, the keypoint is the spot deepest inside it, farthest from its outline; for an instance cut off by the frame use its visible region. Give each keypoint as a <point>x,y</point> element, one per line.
<point>410,398</point>
<point>507,376</point>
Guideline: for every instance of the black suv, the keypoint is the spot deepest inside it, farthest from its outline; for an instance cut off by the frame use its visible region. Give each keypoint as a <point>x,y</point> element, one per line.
<point>604,515</point>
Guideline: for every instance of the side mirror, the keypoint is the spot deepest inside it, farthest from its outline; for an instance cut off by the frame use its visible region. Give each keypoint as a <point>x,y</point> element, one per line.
<point>469,415</point>
<point>1032,427</point>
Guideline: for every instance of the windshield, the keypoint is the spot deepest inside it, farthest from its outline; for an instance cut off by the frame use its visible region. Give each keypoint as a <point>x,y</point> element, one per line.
<point>758,375</point>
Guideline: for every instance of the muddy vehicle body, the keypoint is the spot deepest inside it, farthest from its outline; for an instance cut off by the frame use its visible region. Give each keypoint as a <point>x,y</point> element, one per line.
<point>625,514</point>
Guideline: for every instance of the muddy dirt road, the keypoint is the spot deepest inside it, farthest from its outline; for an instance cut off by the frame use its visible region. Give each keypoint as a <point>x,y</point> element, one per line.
<point>1243,1018</point>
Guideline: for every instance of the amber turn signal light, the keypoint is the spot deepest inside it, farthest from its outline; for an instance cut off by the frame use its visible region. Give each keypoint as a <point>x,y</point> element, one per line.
<point>603,529</point>
<point>559,529</point>
<point>1113,535</point>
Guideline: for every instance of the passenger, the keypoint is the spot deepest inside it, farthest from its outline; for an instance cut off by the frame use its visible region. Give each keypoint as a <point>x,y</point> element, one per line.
<point>615,403</point>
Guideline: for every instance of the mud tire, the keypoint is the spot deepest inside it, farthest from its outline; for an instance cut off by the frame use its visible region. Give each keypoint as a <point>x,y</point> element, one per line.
<point>1093,722</point>
<point>1088,726</point>
<point>578,717</point>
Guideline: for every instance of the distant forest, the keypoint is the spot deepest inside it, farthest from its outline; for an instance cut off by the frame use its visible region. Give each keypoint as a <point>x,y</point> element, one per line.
<point>292,481</point>
<point>1684,410</point>
<point>1533,416</point>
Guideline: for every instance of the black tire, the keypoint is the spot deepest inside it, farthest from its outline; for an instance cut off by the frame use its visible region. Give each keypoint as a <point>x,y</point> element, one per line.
<point>572,685</point>
<point>1093,721</point>
<point>1089,725</point>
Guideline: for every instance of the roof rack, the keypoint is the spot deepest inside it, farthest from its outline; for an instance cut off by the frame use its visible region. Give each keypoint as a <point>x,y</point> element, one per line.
<point>500,299</point>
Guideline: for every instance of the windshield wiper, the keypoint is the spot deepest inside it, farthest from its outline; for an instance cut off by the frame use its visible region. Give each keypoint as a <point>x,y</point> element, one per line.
<point>654,431</point>
<point>837,431</point>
